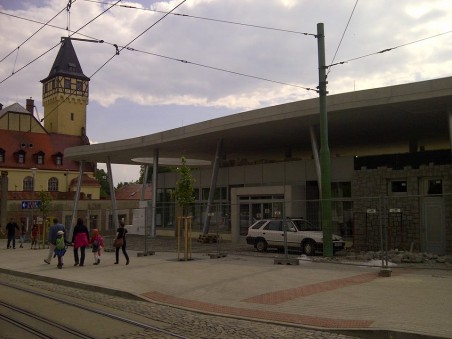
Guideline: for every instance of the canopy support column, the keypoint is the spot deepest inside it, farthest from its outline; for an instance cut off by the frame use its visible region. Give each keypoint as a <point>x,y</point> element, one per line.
<point>114,211</point>
<point>76,199</point>
<point>213,186</point>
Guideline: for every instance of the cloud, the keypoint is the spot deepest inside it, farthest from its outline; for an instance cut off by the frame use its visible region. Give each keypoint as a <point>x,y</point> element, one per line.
<point>172,67</point>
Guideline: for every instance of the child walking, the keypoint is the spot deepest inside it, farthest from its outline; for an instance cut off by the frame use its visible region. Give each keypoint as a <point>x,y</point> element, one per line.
<point>97,242</point>
<point>60,248</point>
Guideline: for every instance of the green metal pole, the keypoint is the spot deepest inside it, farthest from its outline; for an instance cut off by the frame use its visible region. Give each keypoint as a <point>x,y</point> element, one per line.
<point>324,148</point>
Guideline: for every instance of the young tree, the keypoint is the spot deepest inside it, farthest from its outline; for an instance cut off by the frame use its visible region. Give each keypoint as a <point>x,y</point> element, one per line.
<point>184,191</point>
<point>102,176</point>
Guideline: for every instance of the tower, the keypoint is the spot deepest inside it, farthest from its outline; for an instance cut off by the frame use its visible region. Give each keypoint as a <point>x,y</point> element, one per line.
<point>65,93</point>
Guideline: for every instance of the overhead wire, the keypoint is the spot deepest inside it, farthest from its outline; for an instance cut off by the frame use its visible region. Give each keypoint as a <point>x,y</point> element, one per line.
<point>390,49</point>
<point>208,19</point>
<point>116,53</point>
<point>136,38</point>
<point>31,36</point>
<point>342,37</point>
<point>171,58</point>
<point>41,55</point>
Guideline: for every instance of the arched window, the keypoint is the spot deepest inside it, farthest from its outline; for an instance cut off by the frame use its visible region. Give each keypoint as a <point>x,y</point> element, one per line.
<point>28,184</point>
<point>53,185</point>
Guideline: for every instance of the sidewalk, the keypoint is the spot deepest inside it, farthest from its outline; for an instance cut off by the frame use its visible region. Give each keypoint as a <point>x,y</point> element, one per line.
<point>318,295</point>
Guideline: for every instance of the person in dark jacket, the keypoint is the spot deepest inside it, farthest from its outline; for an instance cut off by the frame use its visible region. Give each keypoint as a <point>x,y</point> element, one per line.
<point>121,234</point>
<point>53,234</point>
<point>11,229</point>
<point>80,239</point>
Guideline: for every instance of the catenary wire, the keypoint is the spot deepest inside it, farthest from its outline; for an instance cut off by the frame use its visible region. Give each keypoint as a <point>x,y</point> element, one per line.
<point>390,49</point>
<point>41,55</point>
<point>171,58</point>
<point>209,19</point>
<point>136,38</point>
<point>342,37</point>
<point>117,52</point>
<point>31,36</point>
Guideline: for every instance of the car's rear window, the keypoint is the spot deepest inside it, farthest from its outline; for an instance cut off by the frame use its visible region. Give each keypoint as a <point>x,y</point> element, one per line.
<point>274,225</point>
<point>258,224</point>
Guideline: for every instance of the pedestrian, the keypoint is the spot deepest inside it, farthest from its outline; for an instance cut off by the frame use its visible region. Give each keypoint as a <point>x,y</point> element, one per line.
<point>97,242</point>
<point>34,237</point>
<point>121,238</point>
<point>60,248</point>
<point>11,228</point>
<point>23,233</point>
<point>53,233</point>
<point>80,239</point>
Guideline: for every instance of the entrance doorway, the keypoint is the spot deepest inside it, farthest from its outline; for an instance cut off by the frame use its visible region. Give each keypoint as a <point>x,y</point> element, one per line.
<point>254,208</point>
<point>433,217</point>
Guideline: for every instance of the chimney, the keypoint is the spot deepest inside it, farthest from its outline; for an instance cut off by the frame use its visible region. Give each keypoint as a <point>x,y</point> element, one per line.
<point>30,105</point>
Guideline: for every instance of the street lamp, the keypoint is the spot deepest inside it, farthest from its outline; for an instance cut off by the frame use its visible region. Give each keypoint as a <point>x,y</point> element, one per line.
<point>33,173</point>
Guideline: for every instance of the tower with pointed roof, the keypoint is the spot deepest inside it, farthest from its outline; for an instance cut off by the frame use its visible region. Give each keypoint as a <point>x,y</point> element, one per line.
<point>65,94</point>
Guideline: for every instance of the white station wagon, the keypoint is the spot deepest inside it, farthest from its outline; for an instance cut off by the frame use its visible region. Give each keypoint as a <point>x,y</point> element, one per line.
<point>300,235</point>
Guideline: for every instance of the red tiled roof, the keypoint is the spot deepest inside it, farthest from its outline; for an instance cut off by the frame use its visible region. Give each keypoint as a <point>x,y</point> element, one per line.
<point>49,144</point>
<point>133,192</point>
<point>86,181</point>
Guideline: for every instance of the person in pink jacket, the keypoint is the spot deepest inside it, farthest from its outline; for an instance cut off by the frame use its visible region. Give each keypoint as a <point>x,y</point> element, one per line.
<point>80,239</point>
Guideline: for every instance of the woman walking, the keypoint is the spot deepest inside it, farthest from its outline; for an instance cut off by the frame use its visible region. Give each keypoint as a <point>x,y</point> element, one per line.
<point>121,237</point>
<point>80,239</point>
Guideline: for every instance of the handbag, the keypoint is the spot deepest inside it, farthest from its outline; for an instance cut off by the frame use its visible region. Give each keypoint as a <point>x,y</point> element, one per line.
<point>118,242</point>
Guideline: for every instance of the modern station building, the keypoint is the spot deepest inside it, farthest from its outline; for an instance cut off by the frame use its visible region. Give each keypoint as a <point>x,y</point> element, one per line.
<point>391,171</point>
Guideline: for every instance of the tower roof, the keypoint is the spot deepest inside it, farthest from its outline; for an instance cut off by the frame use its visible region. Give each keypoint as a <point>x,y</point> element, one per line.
<point>66,62</point>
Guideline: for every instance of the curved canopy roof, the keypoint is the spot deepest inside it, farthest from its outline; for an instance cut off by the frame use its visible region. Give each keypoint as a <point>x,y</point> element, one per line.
<point>395,114</point>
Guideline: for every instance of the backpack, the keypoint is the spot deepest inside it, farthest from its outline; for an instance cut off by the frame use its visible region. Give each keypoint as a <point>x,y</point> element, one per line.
<point>59,245</point>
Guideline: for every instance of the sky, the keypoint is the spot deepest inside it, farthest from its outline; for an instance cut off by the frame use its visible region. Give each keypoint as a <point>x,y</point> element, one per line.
<point>212,58</point>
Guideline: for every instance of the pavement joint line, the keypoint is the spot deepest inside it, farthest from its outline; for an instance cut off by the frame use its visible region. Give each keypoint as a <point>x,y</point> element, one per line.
<point>314,321</point>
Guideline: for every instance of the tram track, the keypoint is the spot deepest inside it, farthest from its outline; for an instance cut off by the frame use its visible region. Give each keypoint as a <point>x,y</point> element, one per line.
<point>42,327</point>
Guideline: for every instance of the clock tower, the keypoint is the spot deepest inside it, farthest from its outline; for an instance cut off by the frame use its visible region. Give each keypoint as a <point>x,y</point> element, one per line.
<point>65,94</point>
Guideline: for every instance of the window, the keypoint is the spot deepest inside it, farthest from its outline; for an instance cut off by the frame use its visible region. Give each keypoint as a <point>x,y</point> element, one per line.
<point>40,158</point>
<point>72,116</point>
<point>53,185</point>
<point>79,85</point>
<point>58,159</point>
<point>20,157</point>
<point>67,83</point>
<point>398,187</point>
<point>2,155</point>
<point>274,225</point>
<point>435,186</point>
<point>28,184</point>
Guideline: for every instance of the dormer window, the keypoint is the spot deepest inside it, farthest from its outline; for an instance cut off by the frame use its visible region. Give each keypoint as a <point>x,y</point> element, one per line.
<point>71,67</point>
<point>20,157</point>
<point>58,157</point>
<point>39,158</point>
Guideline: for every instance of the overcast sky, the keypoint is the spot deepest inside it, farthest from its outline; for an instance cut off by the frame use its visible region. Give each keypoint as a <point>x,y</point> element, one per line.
<point>145,90</point>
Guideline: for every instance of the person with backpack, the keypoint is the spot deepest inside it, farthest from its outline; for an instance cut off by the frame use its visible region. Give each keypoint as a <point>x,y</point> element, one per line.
<point>60,248</point>
<point>97,242</point>
<point>53,234</point>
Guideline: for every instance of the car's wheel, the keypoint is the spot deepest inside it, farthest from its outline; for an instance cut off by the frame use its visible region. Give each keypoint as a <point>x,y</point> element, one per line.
<point>261,245</point>
<point>308,247</point>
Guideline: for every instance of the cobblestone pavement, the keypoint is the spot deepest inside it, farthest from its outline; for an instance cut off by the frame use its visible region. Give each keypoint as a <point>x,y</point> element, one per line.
<point>183,322</point>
